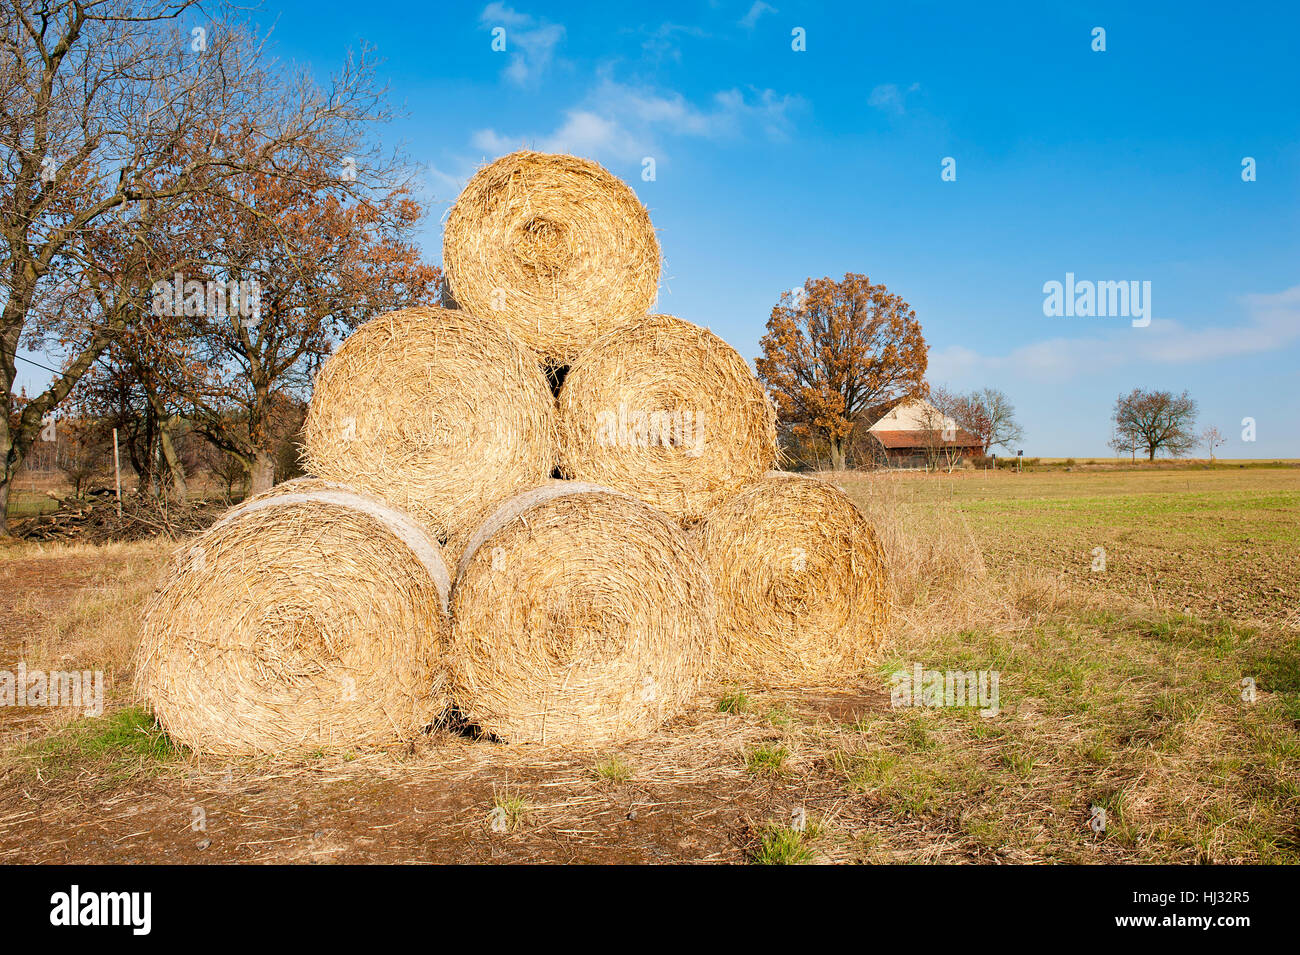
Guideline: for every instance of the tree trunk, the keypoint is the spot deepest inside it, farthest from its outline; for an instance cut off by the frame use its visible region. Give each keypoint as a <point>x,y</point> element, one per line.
<point>1151,454</point>
<point>837,454</point>
<point>262,474</point>
<point>143,465</point>
<point>11,449</point>
<point>174,467</point>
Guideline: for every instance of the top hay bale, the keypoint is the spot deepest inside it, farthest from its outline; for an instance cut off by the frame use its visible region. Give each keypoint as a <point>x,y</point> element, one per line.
<point>556,247</point>
<point>438,412</point>
<point>310,617</point>
<point>668,412</point>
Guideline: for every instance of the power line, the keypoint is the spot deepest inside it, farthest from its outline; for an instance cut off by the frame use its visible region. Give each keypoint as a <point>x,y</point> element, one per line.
<point>38,364</point>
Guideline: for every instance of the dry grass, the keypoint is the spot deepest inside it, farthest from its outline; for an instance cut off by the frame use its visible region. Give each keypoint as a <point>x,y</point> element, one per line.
<point>100,629</point>
<point>937,574</point>
<point>668,412</point>
<point>554,246</point>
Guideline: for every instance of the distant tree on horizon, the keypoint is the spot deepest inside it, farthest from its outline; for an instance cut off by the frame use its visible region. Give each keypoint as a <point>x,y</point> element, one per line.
<point>1154,421</point>
<point>986,414</point>
<point>1212,438</point>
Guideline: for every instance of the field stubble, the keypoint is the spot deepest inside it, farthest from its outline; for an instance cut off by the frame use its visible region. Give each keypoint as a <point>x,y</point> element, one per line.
<point>1120,691</point>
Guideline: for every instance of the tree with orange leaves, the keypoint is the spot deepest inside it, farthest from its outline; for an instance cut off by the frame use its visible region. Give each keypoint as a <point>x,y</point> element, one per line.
<point>835,350</point>
<point>279,268</point>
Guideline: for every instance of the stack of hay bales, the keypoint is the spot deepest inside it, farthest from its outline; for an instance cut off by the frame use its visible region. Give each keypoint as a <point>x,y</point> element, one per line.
<point>587,608</point>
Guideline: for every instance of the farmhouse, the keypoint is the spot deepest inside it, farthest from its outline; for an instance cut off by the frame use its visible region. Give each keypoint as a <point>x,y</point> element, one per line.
<point>917,434</point>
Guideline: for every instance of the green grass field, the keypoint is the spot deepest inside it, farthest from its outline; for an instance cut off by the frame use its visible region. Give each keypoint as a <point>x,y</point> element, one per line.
<point>1214,542</point>
<point>24,504</point>
<point>1124,684</point>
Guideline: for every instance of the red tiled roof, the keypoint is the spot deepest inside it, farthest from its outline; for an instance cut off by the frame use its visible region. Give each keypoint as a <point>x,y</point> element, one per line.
<point>920,440</point>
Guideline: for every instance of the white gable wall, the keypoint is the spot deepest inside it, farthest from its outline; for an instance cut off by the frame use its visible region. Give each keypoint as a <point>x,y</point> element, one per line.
<point>911,416</point>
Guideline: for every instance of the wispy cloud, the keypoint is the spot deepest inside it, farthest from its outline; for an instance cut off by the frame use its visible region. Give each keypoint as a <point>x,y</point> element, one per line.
<point>889,98</point>
<point>583,132</point>
<point>661,43</point>
<point>441,186</point>
<point>530,42</point>
<point>1273,323</point>
<point>627,122</point>
<point>750,19</point>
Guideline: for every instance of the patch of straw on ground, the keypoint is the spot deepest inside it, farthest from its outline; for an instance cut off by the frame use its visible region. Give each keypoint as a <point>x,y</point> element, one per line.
<point>100,628</point>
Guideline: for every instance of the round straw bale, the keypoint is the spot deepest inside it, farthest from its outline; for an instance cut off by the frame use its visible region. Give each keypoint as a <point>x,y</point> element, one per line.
<point>800,577</point>
<point>668,412</point>
<point>555,246</point>
<point>440,413</point>
<point>579,615</point>
<point>311,617</point>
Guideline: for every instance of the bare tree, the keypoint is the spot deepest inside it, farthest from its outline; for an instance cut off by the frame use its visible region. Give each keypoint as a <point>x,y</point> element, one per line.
<point>82,446</point>
<point>223,466</point>
<point>937,429</point>
<point>941,418</point>
<point>993,414</point>
<point>985,414</point>
<point>1212,438</point>
<point>110,392</point>
<point>1123,441</point>
<point>1156,421</point>
<point>108,110</point>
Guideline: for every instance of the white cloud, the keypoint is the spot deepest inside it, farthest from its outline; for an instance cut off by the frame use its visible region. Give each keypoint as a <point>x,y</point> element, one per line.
<point>661,43</point>
<point>440,183</point>
<point>888,98</point>
<point>491,142</point>
<point>766,109</point>
<point>530,42</point>
<point>1273,323</point>
<point>585,132</point>
<point>750,19</point>
<point>626,122</point>
<point>498,14</point>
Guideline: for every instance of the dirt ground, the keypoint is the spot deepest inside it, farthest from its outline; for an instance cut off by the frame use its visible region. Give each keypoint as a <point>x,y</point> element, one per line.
<point>1120,690</point>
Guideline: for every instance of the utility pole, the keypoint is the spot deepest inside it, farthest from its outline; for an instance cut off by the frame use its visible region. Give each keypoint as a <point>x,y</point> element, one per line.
<point>117,474</point>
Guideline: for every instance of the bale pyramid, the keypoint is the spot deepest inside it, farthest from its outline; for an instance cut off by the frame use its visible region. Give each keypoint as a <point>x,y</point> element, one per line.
<point>541,511</point>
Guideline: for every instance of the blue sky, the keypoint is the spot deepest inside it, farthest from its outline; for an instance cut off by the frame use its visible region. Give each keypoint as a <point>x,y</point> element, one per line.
<point>774,164</point>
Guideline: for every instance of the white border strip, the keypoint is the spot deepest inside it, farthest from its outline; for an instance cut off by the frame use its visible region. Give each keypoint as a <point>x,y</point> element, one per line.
<point>521,503</point>
<point>403,528</point>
